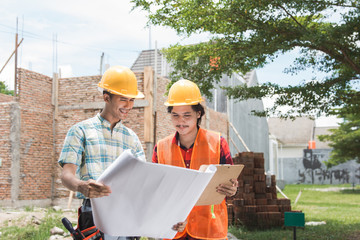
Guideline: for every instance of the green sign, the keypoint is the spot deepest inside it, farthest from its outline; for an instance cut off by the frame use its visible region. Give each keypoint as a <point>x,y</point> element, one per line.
<point>294,219</point>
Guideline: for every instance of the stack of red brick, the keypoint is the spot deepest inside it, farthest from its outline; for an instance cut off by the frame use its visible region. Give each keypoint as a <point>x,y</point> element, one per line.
<point>256,203</point>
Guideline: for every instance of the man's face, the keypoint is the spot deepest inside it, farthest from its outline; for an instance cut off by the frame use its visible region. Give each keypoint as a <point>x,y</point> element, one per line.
<point>119,106</point>
<point>184,119</point>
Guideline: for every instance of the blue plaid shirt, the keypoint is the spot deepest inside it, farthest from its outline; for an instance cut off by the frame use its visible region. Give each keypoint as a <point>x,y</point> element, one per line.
<point>92,146</point>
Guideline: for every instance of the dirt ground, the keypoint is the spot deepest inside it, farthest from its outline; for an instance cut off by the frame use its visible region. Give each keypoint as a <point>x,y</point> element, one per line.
<point>11,215</point>
<point>33,215</point>
<point>22,217</point>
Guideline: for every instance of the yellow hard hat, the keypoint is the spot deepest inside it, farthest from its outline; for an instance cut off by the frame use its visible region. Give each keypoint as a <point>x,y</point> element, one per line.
<point>183,92</point>
<point>120,81</point>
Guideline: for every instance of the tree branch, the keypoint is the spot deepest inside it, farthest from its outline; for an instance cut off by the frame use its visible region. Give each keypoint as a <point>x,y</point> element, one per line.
<point>351,63</point>
<point>291,16</point>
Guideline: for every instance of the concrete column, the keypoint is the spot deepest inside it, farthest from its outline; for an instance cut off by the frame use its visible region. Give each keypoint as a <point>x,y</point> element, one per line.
<point>15,151</point>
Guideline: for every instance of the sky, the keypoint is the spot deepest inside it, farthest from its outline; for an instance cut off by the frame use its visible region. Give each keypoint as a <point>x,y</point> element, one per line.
<point>84,30</point>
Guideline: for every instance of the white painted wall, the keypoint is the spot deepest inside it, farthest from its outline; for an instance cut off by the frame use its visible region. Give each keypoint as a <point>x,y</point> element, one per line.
<point>294,151</point>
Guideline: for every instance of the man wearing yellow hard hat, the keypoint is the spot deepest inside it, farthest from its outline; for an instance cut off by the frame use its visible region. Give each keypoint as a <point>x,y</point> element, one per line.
<point>191,147</point>
<point>92,145</point>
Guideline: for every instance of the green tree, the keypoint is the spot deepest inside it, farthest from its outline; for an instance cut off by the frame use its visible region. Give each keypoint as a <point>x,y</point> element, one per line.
<point>345,140</point>
<point>5,90</point>
<point>247,35</point>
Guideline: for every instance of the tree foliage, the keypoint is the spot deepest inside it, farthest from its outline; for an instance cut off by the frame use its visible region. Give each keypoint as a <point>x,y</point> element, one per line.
<point>246,35</point>
<point>5,90</point>
<point>345,140</point>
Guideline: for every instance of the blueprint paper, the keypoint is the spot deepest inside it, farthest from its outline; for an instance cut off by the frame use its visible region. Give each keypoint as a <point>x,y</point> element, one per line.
<point>147,199</point>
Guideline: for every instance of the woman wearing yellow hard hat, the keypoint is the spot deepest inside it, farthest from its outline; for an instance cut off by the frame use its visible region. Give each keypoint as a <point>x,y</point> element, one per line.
<point>191,147</point>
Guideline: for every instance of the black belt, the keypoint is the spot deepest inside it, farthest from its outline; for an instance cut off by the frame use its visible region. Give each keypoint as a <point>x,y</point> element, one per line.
<point>86,205</point>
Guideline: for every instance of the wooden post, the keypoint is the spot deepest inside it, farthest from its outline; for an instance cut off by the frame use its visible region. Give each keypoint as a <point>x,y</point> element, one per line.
<point>71,194</point>
<point>242,141</point>
<point>149,112</point>
<point>7,61</point>
<point>232,141</point>
<point>277,188</point>
<point>16,47</point>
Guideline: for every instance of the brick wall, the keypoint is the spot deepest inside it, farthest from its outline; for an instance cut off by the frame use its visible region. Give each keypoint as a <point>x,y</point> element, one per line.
<point>140,81</point>
<point>5,151</point>
<point>6,98</point>
<point>164,126</point>
<point>79,90</point>
<point>217,121</point>
<point>135,118</point>
<point>36,144</point>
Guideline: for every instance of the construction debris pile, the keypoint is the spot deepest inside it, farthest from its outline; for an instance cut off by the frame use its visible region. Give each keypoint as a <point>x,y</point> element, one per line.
<point>256,204</point>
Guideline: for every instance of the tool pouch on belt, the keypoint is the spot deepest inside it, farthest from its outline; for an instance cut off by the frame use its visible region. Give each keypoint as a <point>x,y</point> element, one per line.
<point>86,229</point>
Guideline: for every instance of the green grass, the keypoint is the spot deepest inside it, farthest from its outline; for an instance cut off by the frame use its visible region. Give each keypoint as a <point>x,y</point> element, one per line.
<point>29,209</point>
<point>340,210</point>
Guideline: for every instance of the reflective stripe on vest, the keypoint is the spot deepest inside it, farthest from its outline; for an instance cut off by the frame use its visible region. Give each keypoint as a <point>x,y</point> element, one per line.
<point>204,222</point>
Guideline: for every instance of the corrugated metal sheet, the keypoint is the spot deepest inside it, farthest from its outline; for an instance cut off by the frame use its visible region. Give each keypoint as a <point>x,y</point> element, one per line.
<point>147,58</point>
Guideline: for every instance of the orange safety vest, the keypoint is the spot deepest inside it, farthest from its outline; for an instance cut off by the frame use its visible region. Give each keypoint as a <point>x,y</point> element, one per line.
<point>204,222</point>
